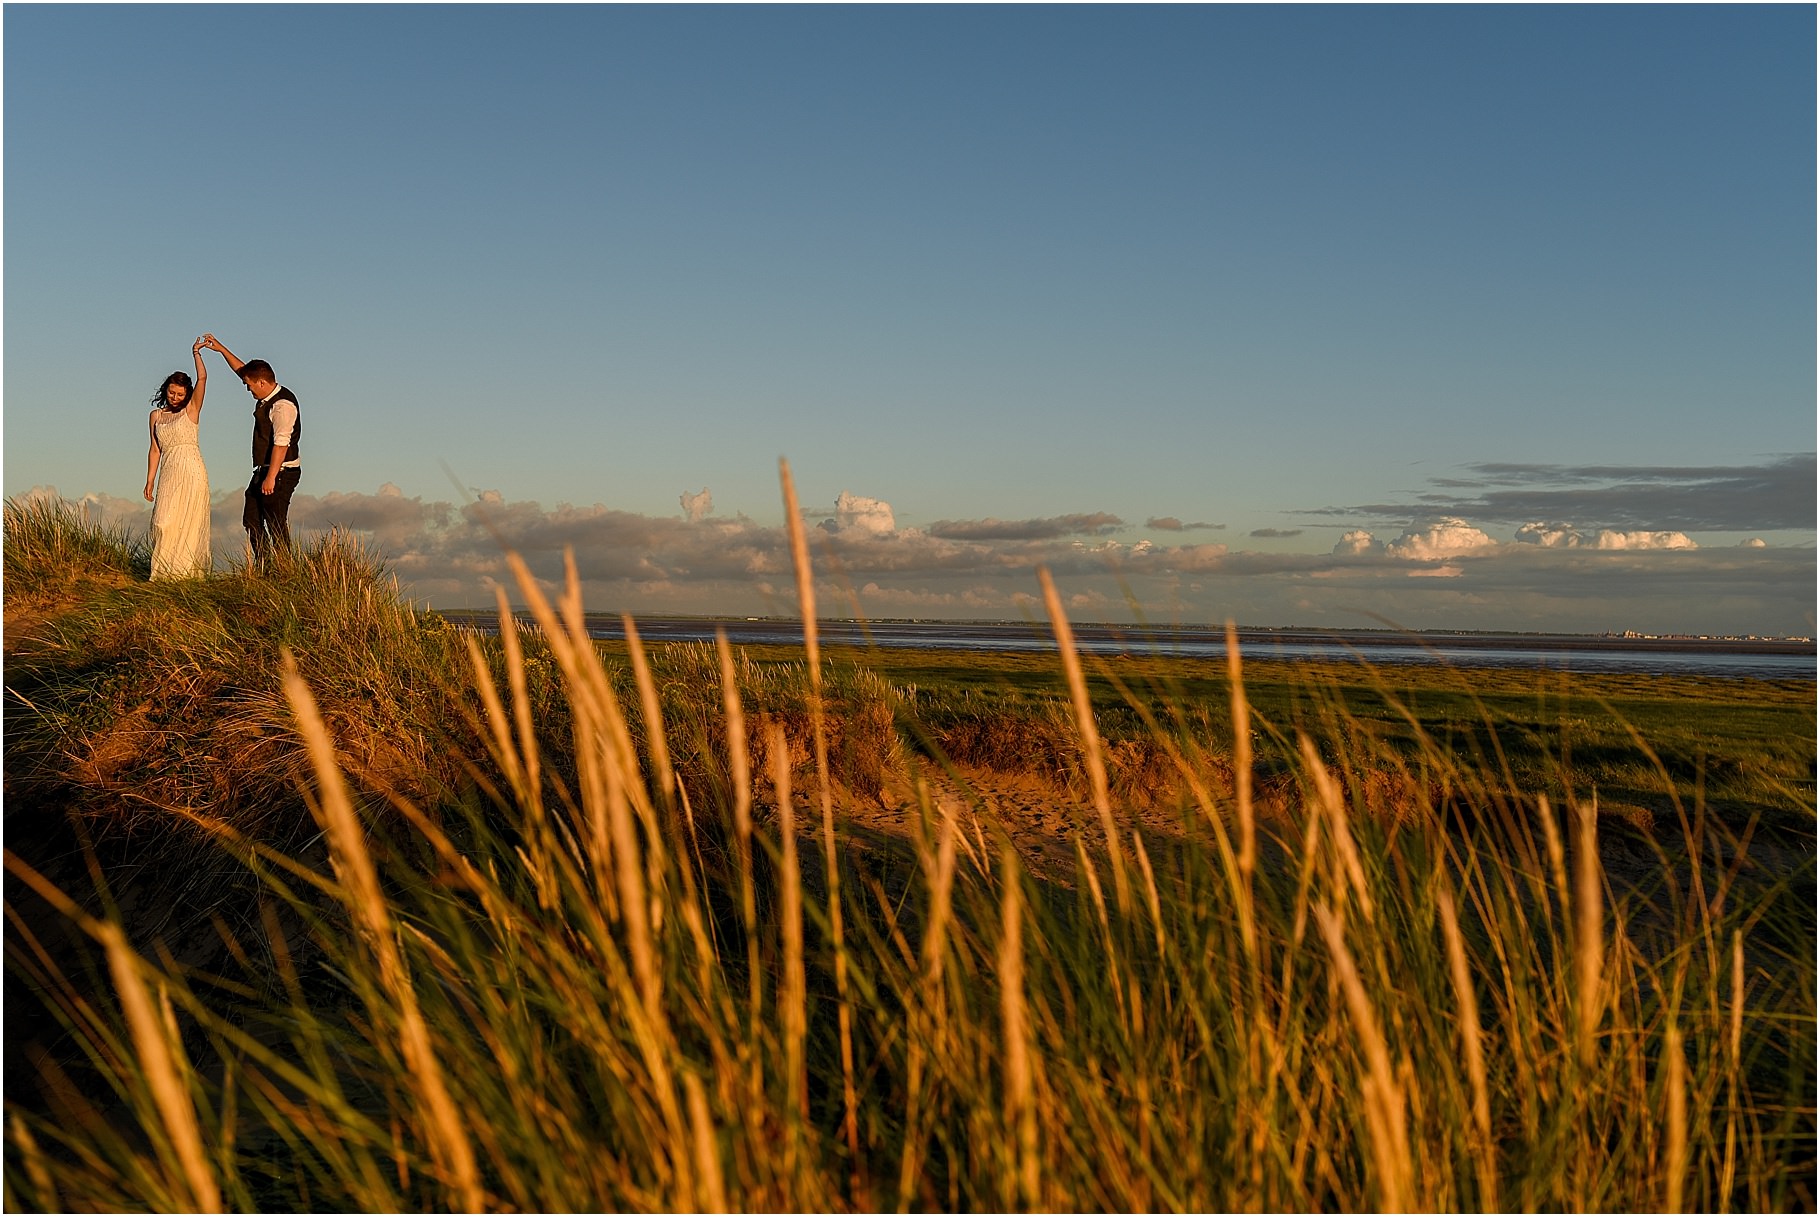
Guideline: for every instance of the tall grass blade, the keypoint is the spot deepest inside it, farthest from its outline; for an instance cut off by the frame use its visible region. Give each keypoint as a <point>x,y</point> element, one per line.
<point>796,982</point>
<point>160,1057</point>
<point>1675,1119</point>
<point>1589,929</point>
<point>1472,1048</point>
<point>805,592</point>
<point>361,893</point>
<point>1386,1113</point>
<point>1241,760</point>
<point>652,708</point>
<point>1020,1090</point>
<point>1091,755</point>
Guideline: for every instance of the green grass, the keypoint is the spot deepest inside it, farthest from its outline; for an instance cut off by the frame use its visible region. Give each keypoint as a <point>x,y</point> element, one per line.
<point>450,938</point>
<point>1744,747</point>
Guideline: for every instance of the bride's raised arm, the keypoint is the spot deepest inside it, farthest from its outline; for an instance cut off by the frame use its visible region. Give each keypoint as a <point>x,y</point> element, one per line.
<point>202,381</point>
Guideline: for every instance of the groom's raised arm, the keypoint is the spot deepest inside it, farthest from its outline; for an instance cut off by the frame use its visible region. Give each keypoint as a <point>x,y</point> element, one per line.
<point>214,344</point>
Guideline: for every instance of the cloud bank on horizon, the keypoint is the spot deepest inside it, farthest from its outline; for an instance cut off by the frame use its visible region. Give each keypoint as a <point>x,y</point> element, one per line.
<point>1594,574</point>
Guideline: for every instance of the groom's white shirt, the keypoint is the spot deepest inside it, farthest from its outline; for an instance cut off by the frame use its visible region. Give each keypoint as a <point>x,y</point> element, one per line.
<point>284,421</point>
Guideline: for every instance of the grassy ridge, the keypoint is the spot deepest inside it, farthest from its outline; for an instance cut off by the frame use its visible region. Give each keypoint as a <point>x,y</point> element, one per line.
<point>515,923</point>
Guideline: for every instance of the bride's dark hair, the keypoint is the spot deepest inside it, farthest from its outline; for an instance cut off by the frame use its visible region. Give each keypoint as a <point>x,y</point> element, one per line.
<point>175,378</point>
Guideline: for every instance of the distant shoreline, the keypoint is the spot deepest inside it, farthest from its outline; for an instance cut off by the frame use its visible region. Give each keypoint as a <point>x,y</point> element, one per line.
<point>1019,635</point>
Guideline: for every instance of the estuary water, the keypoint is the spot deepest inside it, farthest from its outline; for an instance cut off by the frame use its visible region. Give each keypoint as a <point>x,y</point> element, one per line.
<point>1765,659</point>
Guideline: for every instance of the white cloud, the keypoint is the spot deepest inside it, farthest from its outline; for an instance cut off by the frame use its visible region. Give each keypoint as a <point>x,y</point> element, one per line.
<point>1566,536</point>
<point>1755,543</point>
<point>1438,539</point>
<point>1358,541</point>
<point>1607,539</point>
<point>697,506</point>
<point>1550,536</point>
<point>857,513</point>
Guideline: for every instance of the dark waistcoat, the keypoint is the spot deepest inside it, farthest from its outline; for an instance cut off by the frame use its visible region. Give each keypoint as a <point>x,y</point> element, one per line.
<point>262,429</point>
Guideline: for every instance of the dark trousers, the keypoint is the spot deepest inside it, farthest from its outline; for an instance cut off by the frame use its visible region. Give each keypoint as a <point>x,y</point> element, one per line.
<point>268,516</point>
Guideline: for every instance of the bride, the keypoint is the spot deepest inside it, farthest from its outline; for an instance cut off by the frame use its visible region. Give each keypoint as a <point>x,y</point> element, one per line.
<point>180,511</point>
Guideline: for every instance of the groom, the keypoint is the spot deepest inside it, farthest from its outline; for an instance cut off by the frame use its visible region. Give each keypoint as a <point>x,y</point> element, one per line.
<point>277,467</point>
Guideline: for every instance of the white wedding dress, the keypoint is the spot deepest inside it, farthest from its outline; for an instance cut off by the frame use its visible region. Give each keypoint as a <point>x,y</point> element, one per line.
<point>180,511</point>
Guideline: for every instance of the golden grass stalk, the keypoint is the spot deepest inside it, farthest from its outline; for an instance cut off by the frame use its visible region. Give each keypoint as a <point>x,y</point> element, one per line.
<point>1386,1116</point>
<point>1262,1055</point>
<point>796,983</point>
<point>634,897</point>
<point>930,1031</point>
<point>1675,1118</point>
<point>36,1168</point>
<point>503,748</point>
<point>1473,1049</point>
<point>626,785</point>
<point>1734,1051</point>
<point>1589,928</point>
<point>640,901</point>
<point>1241,765</point>
<point>521,703</point>
<point>1333,805</point>
<point>586,717</point>
<point>161,1060</point>
<point>1090,736</point>
<point>710,1188</point>
<point>1557,853</point>
<point>939,873</point>
<point>739,761</point>
<point>610,786</point>
<point>521,763</point>
<point>1020,1088</point>
<point>805,592</point>
<point>360,892</point>
<point>653,715</point>
<point>805,580</point>
<point>587,727</point>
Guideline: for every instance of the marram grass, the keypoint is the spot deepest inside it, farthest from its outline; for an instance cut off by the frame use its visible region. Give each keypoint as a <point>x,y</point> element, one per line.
<point>602,940</point>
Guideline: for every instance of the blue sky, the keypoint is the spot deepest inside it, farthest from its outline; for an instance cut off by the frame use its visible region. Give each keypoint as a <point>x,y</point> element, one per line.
<point>1180,301</point>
